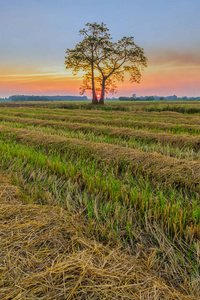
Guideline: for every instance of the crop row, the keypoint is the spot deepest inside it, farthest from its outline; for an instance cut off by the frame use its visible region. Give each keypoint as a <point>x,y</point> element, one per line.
<point>136,116</point>
<point>116,122</point>
<point>177,140</point>
<point>116,204</point>
<point>160,167</point>
<point>157,106</point>
<point>141,144</point>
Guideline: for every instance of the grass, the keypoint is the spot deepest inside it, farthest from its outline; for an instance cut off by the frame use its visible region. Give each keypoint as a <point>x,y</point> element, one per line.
<point>188,107</point>
<point>159,126</point>
<point>180,146</point>
<point>34,167</point>
<point>89,211</point>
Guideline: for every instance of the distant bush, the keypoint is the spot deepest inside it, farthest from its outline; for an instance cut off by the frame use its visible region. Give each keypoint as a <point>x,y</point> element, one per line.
<point>183,110</point>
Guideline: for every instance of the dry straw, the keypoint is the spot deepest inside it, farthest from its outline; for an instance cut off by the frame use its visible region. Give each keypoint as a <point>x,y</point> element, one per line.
<point>45,255</point>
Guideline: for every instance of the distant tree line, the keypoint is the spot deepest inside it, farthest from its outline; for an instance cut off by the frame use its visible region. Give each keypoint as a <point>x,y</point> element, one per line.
<point>43,98</point>
<point>156,98</point>
<point>149,98</point>
<point>27,98</point>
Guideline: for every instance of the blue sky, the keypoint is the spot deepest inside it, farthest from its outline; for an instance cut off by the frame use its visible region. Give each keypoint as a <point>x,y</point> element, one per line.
<point>35,34</point>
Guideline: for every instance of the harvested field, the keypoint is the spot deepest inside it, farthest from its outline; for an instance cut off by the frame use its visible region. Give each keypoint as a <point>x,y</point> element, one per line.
<point>126,133</point>
<point>167,170</point>
<point>191,107</point>
<point>47,254</point>
<point>174,128</point>
<point>99,204</point>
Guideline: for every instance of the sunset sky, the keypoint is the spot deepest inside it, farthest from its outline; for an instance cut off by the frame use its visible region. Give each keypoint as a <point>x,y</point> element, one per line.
<point>35,34</point>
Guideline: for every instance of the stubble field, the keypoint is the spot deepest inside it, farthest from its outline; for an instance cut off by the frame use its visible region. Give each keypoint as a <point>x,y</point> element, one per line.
<point>100,202</point>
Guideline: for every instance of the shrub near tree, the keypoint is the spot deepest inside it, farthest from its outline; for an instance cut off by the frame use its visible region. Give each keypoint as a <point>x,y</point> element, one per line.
<point>103,61</point>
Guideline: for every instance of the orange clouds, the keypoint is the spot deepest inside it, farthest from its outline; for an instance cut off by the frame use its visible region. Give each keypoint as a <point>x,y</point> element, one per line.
<point>167,74</point>
<point>165,80</point>
<point>39,84</point>
<point>175,58</point>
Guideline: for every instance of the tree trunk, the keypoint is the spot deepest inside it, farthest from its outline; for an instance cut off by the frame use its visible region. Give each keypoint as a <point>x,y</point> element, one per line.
<point>94,96</point>
<point>102,91</point>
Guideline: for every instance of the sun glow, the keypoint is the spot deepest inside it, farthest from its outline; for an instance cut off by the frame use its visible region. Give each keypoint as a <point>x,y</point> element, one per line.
<point>155,80</point>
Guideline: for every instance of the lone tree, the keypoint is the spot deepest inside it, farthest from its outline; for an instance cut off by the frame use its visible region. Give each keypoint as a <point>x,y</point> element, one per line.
<point>103,61</point>
<point>83,57</point>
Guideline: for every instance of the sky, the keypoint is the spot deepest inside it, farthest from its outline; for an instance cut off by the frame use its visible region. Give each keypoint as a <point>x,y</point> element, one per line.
<point>34,35</point>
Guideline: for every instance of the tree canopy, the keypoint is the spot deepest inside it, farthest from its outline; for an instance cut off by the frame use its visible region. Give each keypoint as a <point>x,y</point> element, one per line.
<point>103,61</point>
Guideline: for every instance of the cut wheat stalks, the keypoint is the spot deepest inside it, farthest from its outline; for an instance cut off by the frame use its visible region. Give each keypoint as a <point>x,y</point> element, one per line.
<point>157,167</point>
<point>141,116</point>
<point>9,193</point>
<point>114,122</point>
<point>43,256</point>
<point>177,140</point>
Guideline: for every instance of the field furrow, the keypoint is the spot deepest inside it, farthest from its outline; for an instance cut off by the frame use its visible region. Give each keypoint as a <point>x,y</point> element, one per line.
<point>180,128</point>
<point>178,140</point>
<point>156,166</point>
